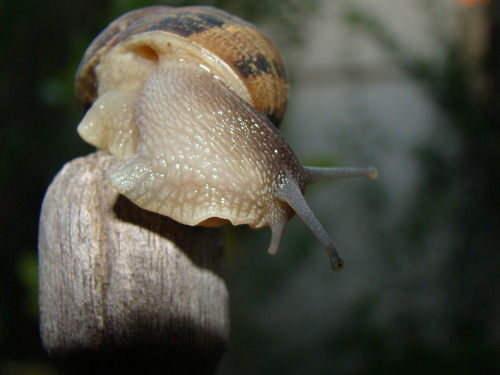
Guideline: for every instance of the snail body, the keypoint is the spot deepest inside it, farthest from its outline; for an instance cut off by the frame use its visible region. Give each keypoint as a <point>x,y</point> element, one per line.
<point>190,99</point>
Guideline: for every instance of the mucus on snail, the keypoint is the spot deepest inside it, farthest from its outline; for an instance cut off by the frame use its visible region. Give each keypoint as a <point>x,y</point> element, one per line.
<point>190,100</point>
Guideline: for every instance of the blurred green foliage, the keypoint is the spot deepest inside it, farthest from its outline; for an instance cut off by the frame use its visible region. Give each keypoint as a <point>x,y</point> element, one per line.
<point>457,205</point>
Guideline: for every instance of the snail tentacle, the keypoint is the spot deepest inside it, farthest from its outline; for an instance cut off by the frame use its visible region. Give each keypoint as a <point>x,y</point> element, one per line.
<point>315,174</point>
<point>276,230</point>
<point>290,193</point>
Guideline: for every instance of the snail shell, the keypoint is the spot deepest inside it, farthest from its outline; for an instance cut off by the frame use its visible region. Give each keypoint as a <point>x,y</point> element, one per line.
<point>215,36</point>
<point>189,99</point>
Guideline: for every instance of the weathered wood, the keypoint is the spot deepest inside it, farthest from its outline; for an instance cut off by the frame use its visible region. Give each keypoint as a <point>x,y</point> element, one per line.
<point>124,290</point>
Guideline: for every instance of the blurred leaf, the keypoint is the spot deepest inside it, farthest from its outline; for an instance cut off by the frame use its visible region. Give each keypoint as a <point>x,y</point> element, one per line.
<point>26,368</point>
<point>27,270</point>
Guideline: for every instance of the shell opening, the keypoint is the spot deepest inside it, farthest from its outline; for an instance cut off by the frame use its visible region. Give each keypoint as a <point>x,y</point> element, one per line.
<point>147,53</point>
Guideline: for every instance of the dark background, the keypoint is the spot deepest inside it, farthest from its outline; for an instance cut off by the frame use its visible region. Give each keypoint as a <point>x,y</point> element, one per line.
<point>42,43</point>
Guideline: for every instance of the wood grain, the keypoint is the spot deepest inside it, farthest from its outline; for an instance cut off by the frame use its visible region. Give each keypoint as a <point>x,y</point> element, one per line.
<point>124,290</point>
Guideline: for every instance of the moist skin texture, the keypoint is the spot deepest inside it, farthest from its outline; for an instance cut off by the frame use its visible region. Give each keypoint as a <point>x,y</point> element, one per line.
<point>209,155</point>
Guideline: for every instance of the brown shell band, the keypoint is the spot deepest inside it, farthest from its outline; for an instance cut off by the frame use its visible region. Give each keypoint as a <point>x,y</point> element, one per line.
<point>251,54</point>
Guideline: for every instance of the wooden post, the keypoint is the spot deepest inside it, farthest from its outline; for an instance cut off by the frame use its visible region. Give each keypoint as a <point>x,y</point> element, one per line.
<point>123,290</point>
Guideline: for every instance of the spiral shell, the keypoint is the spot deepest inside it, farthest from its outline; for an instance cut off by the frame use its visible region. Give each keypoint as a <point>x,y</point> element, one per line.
<point>249,52</point>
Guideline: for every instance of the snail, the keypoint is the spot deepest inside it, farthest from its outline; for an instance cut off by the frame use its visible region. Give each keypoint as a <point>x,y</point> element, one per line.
<point>190,99</point>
